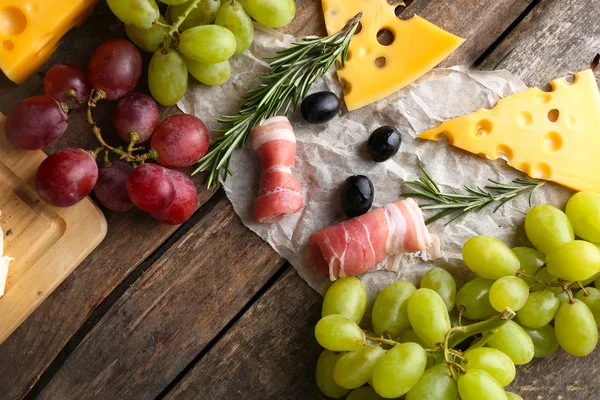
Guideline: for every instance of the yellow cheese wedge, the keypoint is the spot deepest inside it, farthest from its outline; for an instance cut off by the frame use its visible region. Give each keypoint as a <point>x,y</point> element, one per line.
<point>374,70</point>
<point>30,31</point>
<point>548,135</point>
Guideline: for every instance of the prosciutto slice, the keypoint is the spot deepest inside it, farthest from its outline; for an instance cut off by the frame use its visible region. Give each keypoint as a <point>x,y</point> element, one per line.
<point>279,191</point>
<point>358,245</point>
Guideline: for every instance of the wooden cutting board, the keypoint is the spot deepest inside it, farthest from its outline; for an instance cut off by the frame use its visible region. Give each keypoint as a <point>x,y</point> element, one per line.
<point>47,242</point>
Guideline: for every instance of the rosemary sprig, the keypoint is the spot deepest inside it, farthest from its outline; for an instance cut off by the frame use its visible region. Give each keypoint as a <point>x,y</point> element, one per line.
<point>476,199</point>
<point>292,72</point>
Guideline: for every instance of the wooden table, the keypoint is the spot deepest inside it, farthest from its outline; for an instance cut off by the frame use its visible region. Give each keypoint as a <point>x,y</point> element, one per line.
<point>209,311</point>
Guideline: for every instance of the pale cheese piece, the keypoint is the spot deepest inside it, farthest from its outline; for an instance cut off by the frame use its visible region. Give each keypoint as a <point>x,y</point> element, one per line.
<point>551,135</point>
<point>373,70</point>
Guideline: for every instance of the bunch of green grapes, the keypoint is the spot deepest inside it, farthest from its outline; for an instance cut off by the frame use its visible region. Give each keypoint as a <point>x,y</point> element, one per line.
<point>196,37</point>
<point>437,343</point>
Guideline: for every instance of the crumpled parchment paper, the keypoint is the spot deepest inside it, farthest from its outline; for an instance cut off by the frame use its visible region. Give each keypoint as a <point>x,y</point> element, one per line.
<point>327,154</point>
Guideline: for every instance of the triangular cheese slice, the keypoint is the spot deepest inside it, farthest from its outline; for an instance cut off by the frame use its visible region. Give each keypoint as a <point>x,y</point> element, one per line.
<point>373,70</point>
<point>548,135</point>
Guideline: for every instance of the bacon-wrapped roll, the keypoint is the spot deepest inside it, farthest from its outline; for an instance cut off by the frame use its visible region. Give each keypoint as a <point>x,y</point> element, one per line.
<point>279,191</point>
<point>358,245</point>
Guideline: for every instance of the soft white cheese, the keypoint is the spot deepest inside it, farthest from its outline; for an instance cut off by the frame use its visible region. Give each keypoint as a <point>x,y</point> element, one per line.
<point>4,261</point>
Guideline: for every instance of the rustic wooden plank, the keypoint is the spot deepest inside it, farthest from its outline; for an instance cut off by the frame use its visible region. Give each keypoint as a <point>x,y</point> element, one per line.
<point>165,319</point>
<point>277,331</point>
<point>270,353</point>
<point>131,238</point>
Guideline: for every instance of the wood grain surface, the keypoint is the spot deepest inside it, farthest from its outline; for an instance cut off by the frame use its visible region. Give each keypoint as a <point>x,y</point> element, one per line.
<point>149,310</point>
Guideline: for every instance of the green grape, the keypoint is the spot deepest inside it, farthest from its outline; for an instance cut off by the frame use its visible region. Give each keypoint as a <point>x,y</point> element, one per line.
<point>346,296</point>
<point>547,227</point>
<point>513,396</point>
<point>530,260</point>
<point>410,336</point>
<point>509,291</point>
<point>398,370</point>
<point>539,309</point>
<point>363,393</point>
<point>203,14</point>
<point>443,283</point>
<point>592,300</point>
<point>339,333</point>
<point>575,328</point>
<point>454,319</point>
<point>389,312</point>
<point>167,77</point>
<point>473,297</point>
<point>597,283</point>
<point>354,369</point>
<point>208,44</point>
<point>489,258</point>
<point>583,210</point>
<point>586,282</point>
<point>209,74</point>
<point>174,2</point>
<point>147,39</point>
<point>271,13</point>
<point>544,340</point>
<point>324,375</point>
<point>477,385</point>
<point>492,361</point>
<point>544,276</point>
<point>232,16</point>
<point>574,261</point>
<point>140,13</point>
<point>436,383</point>
<point>428,316</point>
<point>563,297</point>
<point>513,341</point>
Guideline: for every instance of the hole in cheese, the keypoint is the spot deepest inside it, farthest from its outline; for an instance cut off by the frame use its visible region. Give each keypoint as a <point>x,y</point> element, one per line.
<point>444,137</point>
<point>541,170</point>
<point>504,152</point>
<point>380,62</point>
<point>553,115</point>
<point>346,86</point>
<point>8,45</point>
<point>349,55</point>
<point>571,79</point>
<point>544,98</point>
<point>552,141</point>
<point>570,122</point>
<point>483,128</point>
<point>400,7</point>
<point>358,28</point>
<point>525,118</point>
<point>12,21</point>
<point>385,37</point>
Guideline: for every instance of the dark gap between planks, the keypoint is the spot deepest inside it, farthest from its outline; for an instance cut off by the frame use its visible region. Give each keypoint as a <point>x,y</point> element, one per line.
<point>264,289</point>
<point>47,376</point>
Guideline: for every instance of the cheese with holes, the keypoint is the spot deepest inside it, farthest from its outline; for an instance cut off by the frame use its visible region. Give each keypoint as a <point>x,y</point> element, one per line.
<point>374,70</point>
<point>30,31</point>
<point>4,262</point>
<point>551,135</point>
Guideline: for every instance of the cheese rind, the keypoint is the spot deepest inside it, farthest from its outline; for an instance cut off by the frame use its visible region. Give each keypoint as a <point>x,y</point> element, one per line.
<point>31,29</point>
<point>375,70</point>
<point>548,135</point>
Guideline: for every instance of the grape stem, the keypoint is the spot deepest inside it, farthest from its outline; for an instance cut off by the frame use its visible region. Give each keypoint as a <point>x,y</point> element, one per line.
<point>174,29</point>
<point>382,340</point>
<point>127,156</point>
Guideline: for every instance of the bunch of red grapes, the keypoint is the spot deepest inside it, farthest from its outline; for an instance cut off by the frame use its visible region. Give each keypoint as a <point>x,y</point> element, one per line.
<point>69,175</point>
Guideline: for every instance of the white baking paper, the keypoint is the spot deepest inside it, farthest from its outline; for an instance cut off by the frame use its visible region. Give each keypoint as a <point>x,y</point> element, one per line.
<point>327,154</point>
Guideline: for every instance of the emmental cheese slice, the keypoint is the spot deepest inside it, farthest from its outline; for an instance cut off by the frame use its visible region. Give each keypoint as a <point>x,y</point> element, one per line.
<point>551,135</point>
<point>31,29</point>
<point>375,70</point>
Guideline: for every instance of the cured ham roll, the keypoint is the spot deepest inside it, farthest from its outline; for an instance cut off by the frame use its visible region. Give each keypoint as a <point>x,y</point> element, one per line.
<point>358,245</point>
<point>279,192</point>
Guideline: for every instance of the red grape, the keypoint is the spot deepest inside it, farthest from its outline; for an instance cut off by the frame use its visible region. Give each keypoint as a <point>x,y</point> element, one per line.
<point>136,112</point>
<point>115,67</point>
<point>35,122</point>
<point>181,140</point>
<point>183,205</point>
<point>66,177</point>
<point>111,188</point>
<point>150,188</point>
<point>65,78</point>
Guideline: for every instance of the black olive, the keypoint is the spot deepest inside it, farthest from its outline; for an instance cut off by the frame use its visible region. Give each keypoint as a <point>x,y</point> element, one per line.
<point>384,143</point>
<point>320,107</point>
<point>357,195</point>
